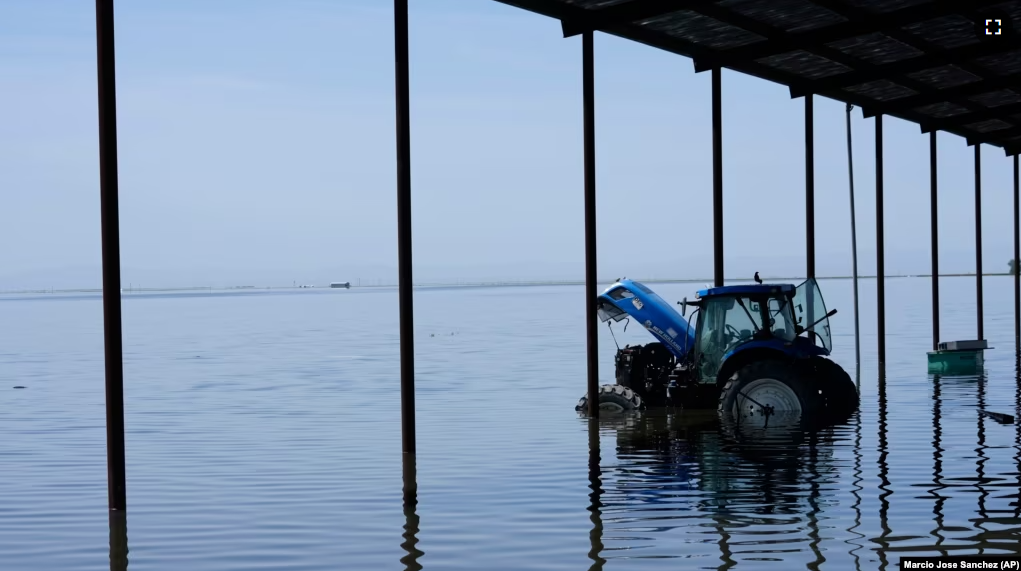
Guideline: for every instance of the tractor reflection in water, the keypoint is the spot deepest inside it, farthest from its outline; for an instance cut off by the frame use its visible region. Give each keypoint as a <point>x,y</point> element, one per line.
<point>755,350</point>
<point>736,473</point>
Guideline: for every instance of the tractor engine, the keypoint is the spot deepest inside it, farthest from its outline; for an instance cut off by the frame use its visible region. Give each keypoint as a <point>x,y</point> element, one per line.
<point>647,370</point>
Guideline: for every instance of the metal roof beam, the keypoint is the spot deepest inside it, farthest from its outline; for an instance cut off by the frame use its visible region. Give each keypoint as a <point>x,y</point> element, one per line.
<point>857,25</point>
<point>950,94</point>
<point>933,55</point>
<point>957,56</point>
<point>571,13</point>
<point>715,11</point>
<point>999,136</point>
<point>624,13</point>
<point>706,58</point>
<point>997,112</point>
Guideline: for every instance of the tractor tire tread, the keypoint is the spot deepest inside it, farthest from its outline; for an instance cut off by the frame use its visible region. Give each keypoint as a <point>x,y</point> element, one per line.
<point>839,394</point>
<point>619,395</point>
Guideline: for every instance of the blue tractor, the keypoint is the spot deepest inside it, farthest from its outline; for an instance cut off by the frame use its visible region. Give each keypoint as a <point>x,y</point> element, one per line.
<point>754,350</point>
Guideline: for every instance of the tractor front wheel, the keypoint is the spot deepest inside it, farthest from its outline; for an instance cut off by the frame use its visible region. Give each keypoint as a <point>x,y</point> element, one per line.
<point>767,387</point>
<point>613,398</point>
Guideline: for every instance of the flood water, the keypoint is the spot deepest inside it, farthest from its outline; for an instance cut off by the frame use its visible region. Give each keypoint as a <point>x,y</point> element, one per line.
<point>263,432</point>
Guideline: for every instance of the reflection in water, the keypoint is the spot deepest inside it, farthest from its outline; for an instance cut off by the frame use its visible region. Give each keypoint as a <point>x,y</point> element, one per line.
<point>813,502</point>
<point>857,489</point>
<point>884,475</point>
<point>937,464</point>
<point>118,541</point>
<point>745,487</point>
<point>980,454</point>
<point>596,497</point>
<point>997,530</point>
<point>1017,435</point>
<point>410,501</point>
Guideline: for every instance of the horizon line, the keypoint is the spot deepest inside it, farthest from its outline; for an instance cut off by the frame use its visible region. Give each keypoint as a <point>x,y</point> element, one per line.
<point>444,284</point>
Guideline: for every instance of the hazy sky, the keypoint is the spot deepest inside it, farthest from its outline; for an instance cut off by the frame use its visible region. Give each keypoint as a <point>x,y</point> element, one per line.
<point>257,138</point>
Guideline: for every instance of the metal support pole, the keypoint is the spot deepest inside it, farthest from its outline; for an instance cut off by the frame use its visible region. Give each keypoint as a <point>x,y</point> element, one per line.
<point>118,541</point>
<point>717,181</point>
<point>404,283</point>
<point>591,321</point>
<point>934,248</point>
<point>1017,260</point>
<point>110,224</point>
<point>880,262</point>
<point>809,187</point>
<point>854,250</point>
<point>978,240</point>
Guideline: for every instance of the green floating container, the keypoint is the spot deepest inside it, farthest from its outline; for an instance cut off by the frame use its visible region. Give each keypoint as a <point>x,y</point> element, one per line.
<point>958,357</point>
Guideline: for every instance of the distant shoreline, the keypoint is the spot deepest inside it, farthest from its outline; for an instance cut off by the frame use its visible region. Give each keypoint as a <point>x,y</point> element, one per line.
<point>426,285</point>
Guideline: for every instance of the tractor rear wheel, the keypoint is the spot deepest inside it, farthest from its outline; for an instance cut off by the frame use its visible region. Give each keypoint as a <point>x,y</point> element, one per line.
<point>836,389</point>
<point>767,387</point>
<point>613,398</point>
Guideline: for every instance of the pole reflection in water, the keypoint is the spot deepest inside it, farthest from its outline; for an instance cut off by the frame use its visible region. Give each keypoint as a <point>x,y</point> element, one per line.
<point>118,540</point>
<point>995,528</point>
<point>752,490</point>
<point>813,502</point>
<point>980,463</point>
<point>596,497</point>
<point>856,491</point>
<point>937,464</point>
<point>410,543</point>
<point>1017,431</point>
<point>884,475</point>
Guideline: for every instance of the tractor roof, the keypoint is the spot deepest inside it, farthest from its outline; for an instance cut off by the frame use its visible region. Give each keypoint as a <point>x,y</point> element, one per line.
<point>750,289</point>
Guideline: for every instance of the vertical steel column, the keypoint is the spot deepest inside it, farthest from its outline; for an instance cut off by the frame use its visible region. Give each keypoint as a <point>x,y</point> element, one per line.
<point>934,248</point>
<point>404,283</point>
<point>809,186</point>
<point>591,321</point>
<point>854,248</point>
<point>110,224</point>
<point>717,181</point>
<point>978,240</point>
<point>880,261</point>
<point>1017,259</point>
<point>118,541</point>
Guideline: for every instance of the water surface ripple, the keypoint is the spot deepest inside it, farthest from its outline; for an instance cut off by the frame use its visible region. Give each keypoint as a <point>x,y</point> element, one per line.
<point>263,432</point>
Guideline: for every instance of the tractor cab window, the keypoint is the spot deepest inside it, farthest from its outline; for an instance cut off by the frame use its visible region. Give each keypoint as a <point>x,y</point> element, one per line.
<point>781,319</point>
<point>810,308</point>
<point>725,323</point>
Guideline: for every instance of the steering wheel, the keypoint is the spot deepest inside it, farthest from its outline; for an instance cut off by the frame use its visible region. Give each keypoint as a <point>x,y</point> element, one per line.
<point>732,331</point>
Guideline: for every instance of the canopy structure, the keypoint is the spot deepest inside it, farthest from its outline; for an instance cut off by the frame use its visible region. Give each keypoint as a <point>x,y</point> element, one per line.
<point>948,65</point>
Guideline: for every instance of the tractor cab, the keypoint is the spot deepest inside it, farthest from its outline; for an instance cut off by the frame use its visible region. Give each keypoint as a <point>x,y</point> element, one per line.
<point>766,317</point>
